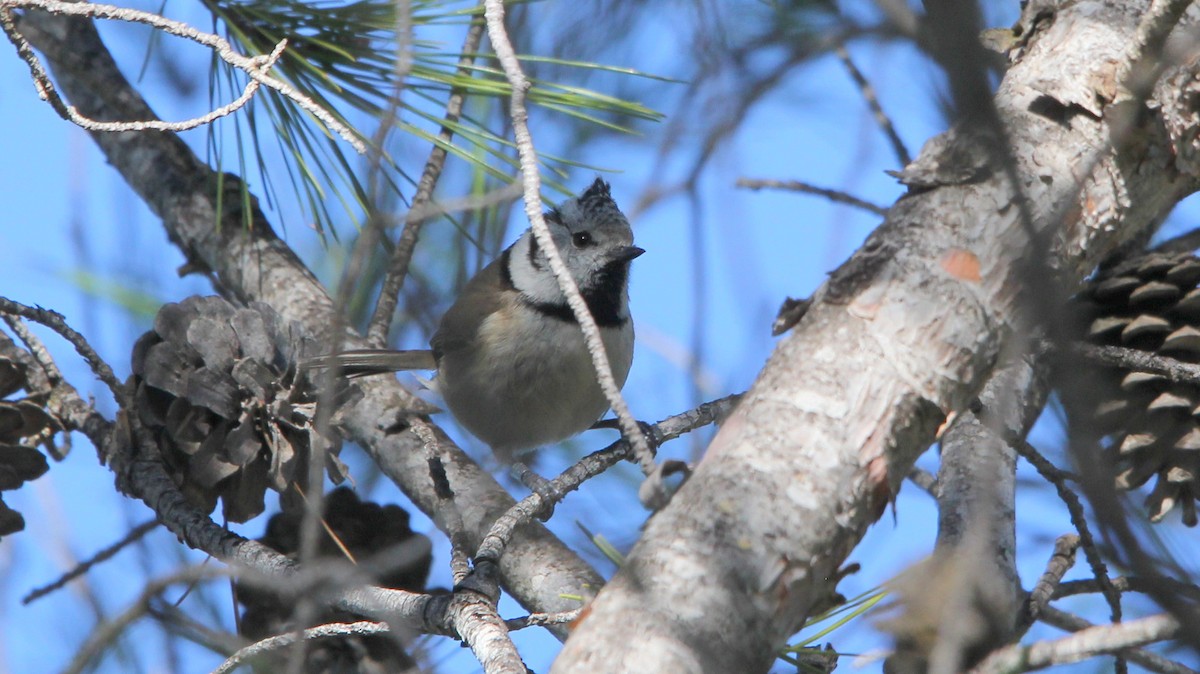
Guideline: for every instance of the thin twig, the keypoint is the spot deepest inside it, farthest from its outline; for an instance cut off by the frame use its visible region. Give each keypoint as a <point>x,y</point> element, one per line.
<point>797,186</point>
<point>432,209</point>
<point>555,490</point>
<point>1177,371</point>
<point>1043,591</point>
<point>46,91</point>
<point>360,628</point>
<point>1129,584</point>
<point>1151,661</point>
<point>375,231</point>
<point>103,555</point>
<point>1054,476</point>
<point>531,180</point>
<point>254,66</point>
<point>543,619</point>
<point>393,281</point>
<point>1082,645</point>
<point>304,610</point>
<point>451,520</point>
<point>923,479</point>
<point>56,322</point>
<point>868,94</point>
<point>108,631</point>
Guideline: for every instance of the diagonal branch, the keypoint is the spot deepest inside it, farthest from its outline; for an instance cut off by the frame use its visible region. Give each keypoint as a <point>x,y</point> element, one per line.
<point>397,271</point>
<point>255,67</point>
<point>902,335</point>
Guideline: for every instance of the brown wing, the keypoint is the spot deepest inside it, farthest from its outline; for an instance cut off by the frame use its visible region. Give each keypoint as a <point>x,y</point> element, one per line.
<point>483,295</point>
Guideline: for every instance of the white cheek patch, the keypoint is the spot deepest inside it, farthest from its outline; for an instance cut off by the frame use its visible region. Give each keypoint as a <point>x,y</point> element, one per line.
<point>538,285</point>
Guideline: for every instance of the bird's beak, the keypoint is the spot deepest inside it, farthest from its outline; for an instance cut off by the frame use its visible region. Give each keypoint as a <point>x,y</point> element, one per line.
<point>626,253</point>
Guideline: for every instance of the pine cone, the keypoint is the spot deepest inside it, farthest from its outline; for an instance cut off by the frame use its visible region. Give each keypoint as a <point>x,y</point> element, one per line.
<point>219,387</point>
<point>1151,303</point>
<point>21,420</point>
<point>368,531</point>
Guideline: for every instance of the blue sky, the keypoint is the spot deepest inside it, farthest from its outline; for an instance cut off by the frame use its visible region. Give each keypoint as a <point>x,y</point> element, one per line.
<point>68,213</point>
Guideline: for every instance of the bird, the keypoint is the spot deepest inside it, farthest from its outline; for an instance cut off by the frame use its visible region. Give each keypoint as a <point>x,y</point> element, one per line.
<point>511,361</point>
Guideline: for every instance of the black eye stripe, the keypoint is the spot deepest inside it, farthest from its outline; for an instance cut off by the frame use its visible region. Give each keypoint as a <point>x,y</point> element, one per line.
<point>533,253</point>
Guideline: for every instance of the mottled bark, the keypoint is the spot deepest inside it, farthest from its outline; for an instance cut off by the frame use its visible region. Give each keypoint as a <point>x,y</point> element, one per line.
<point>901,337</point>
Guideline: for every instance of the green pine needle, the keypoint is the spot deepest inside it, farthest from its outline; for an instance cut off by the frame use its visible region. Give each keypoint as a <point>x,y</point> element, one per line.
<point>340,54</point>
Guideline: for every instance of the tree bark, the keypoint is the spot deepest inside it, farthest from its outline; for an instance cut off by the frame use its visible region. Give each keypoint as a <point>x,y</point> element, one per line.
<point>899,340</point>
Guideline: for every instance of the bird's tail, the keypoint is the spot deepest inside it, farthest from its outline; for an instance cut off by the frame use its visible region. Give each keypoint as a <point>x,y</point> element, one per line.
<point>362,362</point>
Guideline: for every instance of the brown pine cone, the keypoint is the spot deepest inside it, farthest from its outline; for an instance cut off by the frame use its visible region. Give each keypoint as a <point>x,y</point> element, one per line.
<point>1150,303</point>
<point>24,421</point>
<point>218,385</point>
<point>372,534</point>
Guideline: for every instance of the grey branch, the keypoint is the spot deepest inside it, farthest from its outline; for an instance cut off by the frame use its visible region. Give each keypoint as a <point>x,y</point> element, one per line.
<point>1151,661</point>
<point>868,93</point>
<point>797,186</point>
<point>360,628</point>
<point>1060,562</point>
<point>422,206</point>
<point>901,336</point>
<point>1084,644</point>
<point>255,67</point>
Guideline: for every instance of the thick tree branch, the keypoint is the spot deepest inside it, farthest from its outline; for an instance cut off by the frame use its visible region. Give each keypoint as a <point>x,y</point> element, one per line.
<point>903,335</point>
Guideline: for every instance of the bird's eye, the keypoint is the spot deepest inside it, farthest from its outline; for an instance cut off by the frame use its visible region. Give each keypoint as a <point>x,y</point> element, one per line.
<point>582,239</point>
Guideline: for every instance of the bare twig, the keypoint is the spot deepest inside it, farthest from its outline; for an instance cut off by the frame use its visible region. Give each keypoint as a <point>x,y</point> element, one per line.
<point>1151,661</point>
<point>1060,562</point>
<point>1078,518</point>
<point>1084,644</point>
<point>360,628</point>
<point>56,322</point>
<point>432,209</point>
<point>109,630</point>
<point>460,565</point>
<point>797,186</point>
<point>1177,371</point>
<point>255,67</point>
<point>923,479</point>
<point>397,271</point>
<point>47,92</point>
<point>1129,584</point>
<point>531,180</point>
<point>555,490</point>
<point>543,619</point>
<point>868,94</point>
<point>83,567</point>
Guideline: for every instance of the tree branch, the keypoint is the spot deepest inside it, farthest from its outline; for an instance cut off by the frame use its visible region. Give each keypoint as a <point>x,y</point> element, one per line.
<point>1084,644</point>
<point>901,336</point>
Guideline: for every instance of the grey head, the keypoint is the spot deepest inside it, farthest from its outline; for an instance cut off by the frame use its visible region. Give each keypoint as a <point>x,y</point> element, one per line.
<point>595,241</point>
